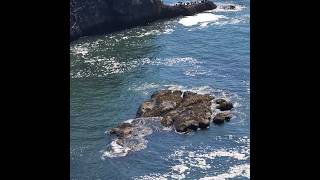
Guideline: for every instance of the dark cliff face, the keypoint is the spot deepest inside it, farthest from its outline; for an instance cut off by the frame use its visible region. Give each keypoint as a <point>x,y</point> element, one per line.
<point>89,17</point>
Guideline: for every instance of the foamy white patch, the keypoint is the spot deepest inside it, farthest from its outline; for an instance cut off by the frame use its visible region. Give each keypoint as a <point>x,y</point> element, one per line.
<point>154,176</point>
<point>224,153</point>
<point>235,171</point>
<point>144,88</point>
<point>180,168</point>
<point>200,18</point>
<point>167,128</point>
<point>152,32</point>
<point>177,61</point>
<point>168,31</point>
<point>113,65</point>
<point>203,160</point>
<point>196,70</point>
<point>135,141</point>
<point>80,50</point>
<point>116,150</point>
<point>128,121</point>
<point>204,24</point>
<point>231,21</point>
<point>200,163</point>
<point>198,90</point>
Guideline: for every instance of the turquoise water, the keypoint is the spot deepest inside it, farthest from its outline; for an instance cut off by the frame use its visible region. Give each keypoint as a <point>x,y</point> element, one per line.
<point>111,75</point>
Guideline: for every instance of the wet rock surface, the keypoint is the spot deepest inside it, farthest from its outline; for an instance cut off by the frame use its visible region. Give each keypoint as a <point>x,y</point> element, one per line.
<point>185,111</point>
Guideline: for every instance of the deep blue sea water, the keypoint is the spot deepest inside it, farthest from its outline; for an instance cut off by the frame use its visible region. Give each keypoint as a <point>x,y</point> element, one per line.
<point>111,75</point>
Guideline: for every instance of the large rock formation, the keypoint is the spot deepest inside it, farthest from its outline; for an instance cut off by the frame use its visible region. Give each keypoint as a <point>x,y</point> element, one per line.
<point>89,17</point>
<point>186,112</point>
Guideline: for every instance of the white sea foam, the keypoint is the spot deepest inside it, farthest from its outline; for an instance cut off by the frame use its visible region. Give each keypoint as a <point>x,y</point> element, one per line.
<point>200,18</point>
<point>202,160</point>
<point>235,171</point>
<point>144,87</point>
<point>81,49</point>
<point>198,89</point>
<point>148,33</point>
<point>136,141</point>
<point>116,150</point>
<point>168,31</point>
<point>113,65</point>
<point>210,17</point>
<point>180,168</point>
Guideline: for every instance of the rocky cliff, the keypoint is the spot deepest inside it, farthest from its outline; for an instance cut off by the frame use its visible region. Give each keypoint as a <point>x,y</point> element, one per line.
<point>89,17</point>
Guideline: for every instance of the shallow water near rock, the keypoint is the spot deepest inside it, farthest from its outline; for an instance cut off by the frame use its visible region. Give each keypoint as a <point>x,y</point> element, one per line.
<point>111,75</point>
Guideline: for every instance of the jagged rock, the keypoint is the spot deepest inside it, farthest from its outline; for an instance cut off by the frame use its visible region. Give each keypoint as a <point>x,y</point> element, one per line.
<point>160,103</point>
<point>222,117</point>
<point>123,130</point>
<point>186,112</point>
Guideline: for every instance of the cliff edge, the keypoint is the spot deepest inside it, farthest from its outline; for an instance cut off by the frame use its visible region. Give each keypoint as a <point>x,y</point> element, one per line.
<point>91,17</point>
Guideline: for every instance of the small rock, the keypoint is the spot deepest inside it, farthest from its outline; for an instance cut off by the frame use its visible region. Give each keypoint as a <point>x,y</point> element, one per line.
<point>224,106</point>
<point>229,7</point>
<point>219,101</point>
<point>221,117</point>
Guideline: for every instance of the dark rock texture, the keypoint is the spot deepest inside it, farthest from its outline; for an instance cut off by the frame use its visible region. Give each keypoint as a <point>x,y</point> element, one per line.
<point>222,117</point>
<point>186,112</point>
<point>90,17</point>
<point>224,106</point>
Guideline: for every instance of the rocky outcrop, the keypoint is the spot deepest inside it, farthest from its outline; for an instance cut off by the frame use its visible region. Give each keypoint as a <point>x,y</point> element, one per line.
<point>90,17</point>
<point>185,111</point>
<point>182,111</point>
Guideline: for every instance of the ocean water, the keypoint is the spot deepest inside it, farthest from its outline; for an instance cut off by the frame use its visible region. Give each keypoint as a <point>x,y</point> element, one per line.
<point>112,74</point>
